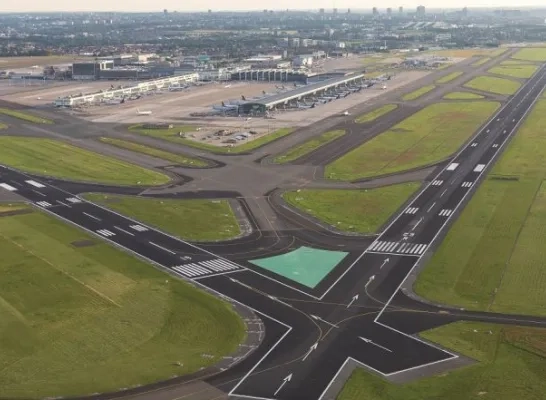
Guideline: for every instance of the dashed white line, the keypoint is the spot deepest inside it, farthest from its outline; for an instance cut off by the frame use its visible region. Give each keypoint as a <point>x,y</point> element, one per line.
<point>162,248</point>
<point>124,231</point>
<point>430,208</point>
<point>91,216</point>
<point>40,193</point>
<point>35,184</point>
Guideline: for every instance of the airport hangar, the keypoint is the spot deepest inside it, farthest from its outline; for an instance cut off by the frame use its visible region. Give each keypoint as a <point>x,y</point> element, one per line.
<point>142,87</point>
<point>272,102</point>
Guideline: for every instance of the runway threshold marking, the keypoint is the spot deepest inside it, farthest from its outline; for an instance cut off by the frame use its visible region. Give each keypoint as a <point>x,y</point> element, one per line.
<point>452,166</point>
<point>44,204</point>
<point>8,187</point>
<point>397,248</point>
<point>466,184</point>
<point>207,268</point>
<point>445,213</point>
<point>106,232</point>
<point>437,182</point>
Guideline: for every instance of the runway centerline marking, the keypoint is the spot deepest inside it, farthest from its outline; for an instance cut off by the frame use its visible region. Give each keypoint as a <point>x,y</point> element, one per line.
<point>91,216</point>
<point>161,247</point>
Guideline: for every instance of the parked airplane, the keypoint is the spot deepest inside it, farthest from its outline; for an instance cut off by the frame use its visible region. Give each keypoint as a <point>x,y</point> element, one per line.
<point>227,86</point>
<point>175,88</point>
<point>306,106</point>
<point>143,112</point>
<point>345,113</point>
<point>226,107</point>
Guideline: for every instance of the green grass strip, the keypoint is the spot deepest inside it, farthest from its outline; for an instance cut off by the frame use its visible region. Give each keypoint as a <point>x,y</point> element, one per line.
<point>481,61</point>
<point>355,211</point>
<point>418,93</point>
<point>308,147</point>
<point>378,112</point>
<point>463,96</point>
<point>60,160</point>
<point>25,116</point>
<point>531,54</point>
<point>494,85</point>
<point>450,77</point>
<point>165,155</point>
<point>515,71</point>
<point>197,220</point>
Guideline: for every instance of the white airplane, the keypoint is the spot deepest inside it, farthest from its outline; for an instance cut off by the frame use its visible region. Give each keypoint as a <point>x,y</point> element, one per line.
<point>143,112</point>
<point>226,107</point>
<point>383,87</point>
<point>227,86</point>
<point>177,88</point>
<point>345,113</point>
<point>305,106</point>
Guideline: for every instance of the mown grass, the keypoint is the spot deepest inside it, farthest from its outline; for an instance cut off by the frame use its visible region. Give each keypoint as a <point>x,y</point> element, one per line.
<point>514,71</point>
<point>531,54</point>
<point>172,135</point>
<point>428,136</point>
<point>418,93</point>
<point>356,211</point>
<point>493,85</point>
<point>463,96</point>
<point>150,151</point>
<point>57,159</point>
<point>378,112</point>
<point>308,146</point>
<point>511,366</point>
<point>481,61</point>
<point>80,320</point>
<point>449,77</point>
<point>516,62</point>
<point>493,257</point>
<point>197,220</point>
<point>25,116</point>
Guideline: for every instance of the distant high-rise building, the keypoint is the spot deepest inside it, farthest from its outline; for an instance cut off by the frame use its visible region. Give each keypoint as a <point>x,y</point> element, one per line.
<point>374,11</point>
<point>420,11</point>
<point>348,11</point>
<point>400,10</point>
<point>265,11</point>
<point>321,11</point>
<point>465,12</point>
<point>334,11</point>
<point>210,11</point>
<point>165,11</point>
<point>389,11</point>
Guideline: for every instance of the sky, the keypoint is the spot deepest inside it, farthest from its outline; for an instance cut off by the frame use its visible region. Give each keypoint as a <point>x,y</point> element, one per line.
<point>191,5</point>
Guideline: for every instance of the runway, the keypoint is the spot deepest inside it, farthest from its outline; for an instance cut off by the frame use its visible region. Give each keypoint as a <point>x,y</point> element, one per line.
<point>358,313</point>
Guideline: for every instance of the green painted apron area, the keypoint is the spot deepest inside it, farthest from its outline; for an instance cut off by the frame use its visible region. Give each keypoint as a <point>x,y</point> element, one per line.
<point>305,265</point>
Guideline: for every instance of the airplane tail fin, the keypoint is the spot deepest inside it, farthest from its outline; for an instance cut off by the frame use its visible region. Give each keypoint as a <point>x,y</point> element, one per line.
<point>243,97</point>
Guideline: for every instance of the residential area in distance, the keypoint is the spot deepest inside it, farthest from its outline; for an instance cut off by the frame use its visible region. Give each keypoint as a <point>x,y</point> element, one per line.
<point>335,204</point>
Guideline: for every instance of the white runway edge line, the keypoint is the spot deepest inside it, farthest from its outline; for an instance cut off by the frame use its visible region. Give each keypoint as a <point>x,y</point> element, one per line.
<point>493,158</point>
<point>204,287</point>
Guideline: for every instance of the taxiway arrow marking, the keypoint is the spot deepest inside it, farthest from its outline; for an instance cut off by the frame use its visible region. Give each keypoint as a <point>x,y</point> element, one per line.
<point>370,281</point>
<point>326,322</point>
<point>355,298</point>
<point>313,347</point>
<point>284,381</point>
<point>385,261</point>
<point>370,341</point>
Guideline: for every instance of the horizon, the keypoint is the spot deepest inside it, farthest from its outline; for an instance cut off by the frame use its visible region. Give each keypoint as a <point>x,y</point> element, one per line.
<point>140,6</point>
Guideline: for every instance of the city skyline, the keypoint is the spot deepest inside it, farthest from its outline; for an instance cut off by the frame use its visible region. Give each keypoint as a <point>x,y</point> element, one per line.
<point>244,5</point>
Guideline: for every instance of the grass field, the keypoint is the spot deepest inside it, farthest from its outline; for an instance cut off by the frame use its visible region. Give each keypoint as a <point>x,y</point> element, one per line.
<point>463,96</point>
<point>197,220</point>
<point>418,93</point>
<point>23,62</point>
<point>493,256</point>
<point>449,77</point>
<point>511,366</point>
<point>515,71</point>
<point>493,85</point>
<point>24,116</point>
<point>3,126</point>
<point>308,146</point>
<point>78,316</point>
<point>378,112</point>
<point>355,211</point>
<point>481,61</point>
<point>172,135</point>
<point>531,54</point>
<point>516,62</point>
<point>58,159</point>
<point>428,136</point>
<point>465,53</point>
<point>165,155</point>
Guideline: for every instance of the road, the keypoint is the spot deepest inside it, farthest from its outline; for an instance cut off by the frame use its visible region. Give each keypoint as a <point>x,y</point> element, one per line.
<point>356,315</point>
